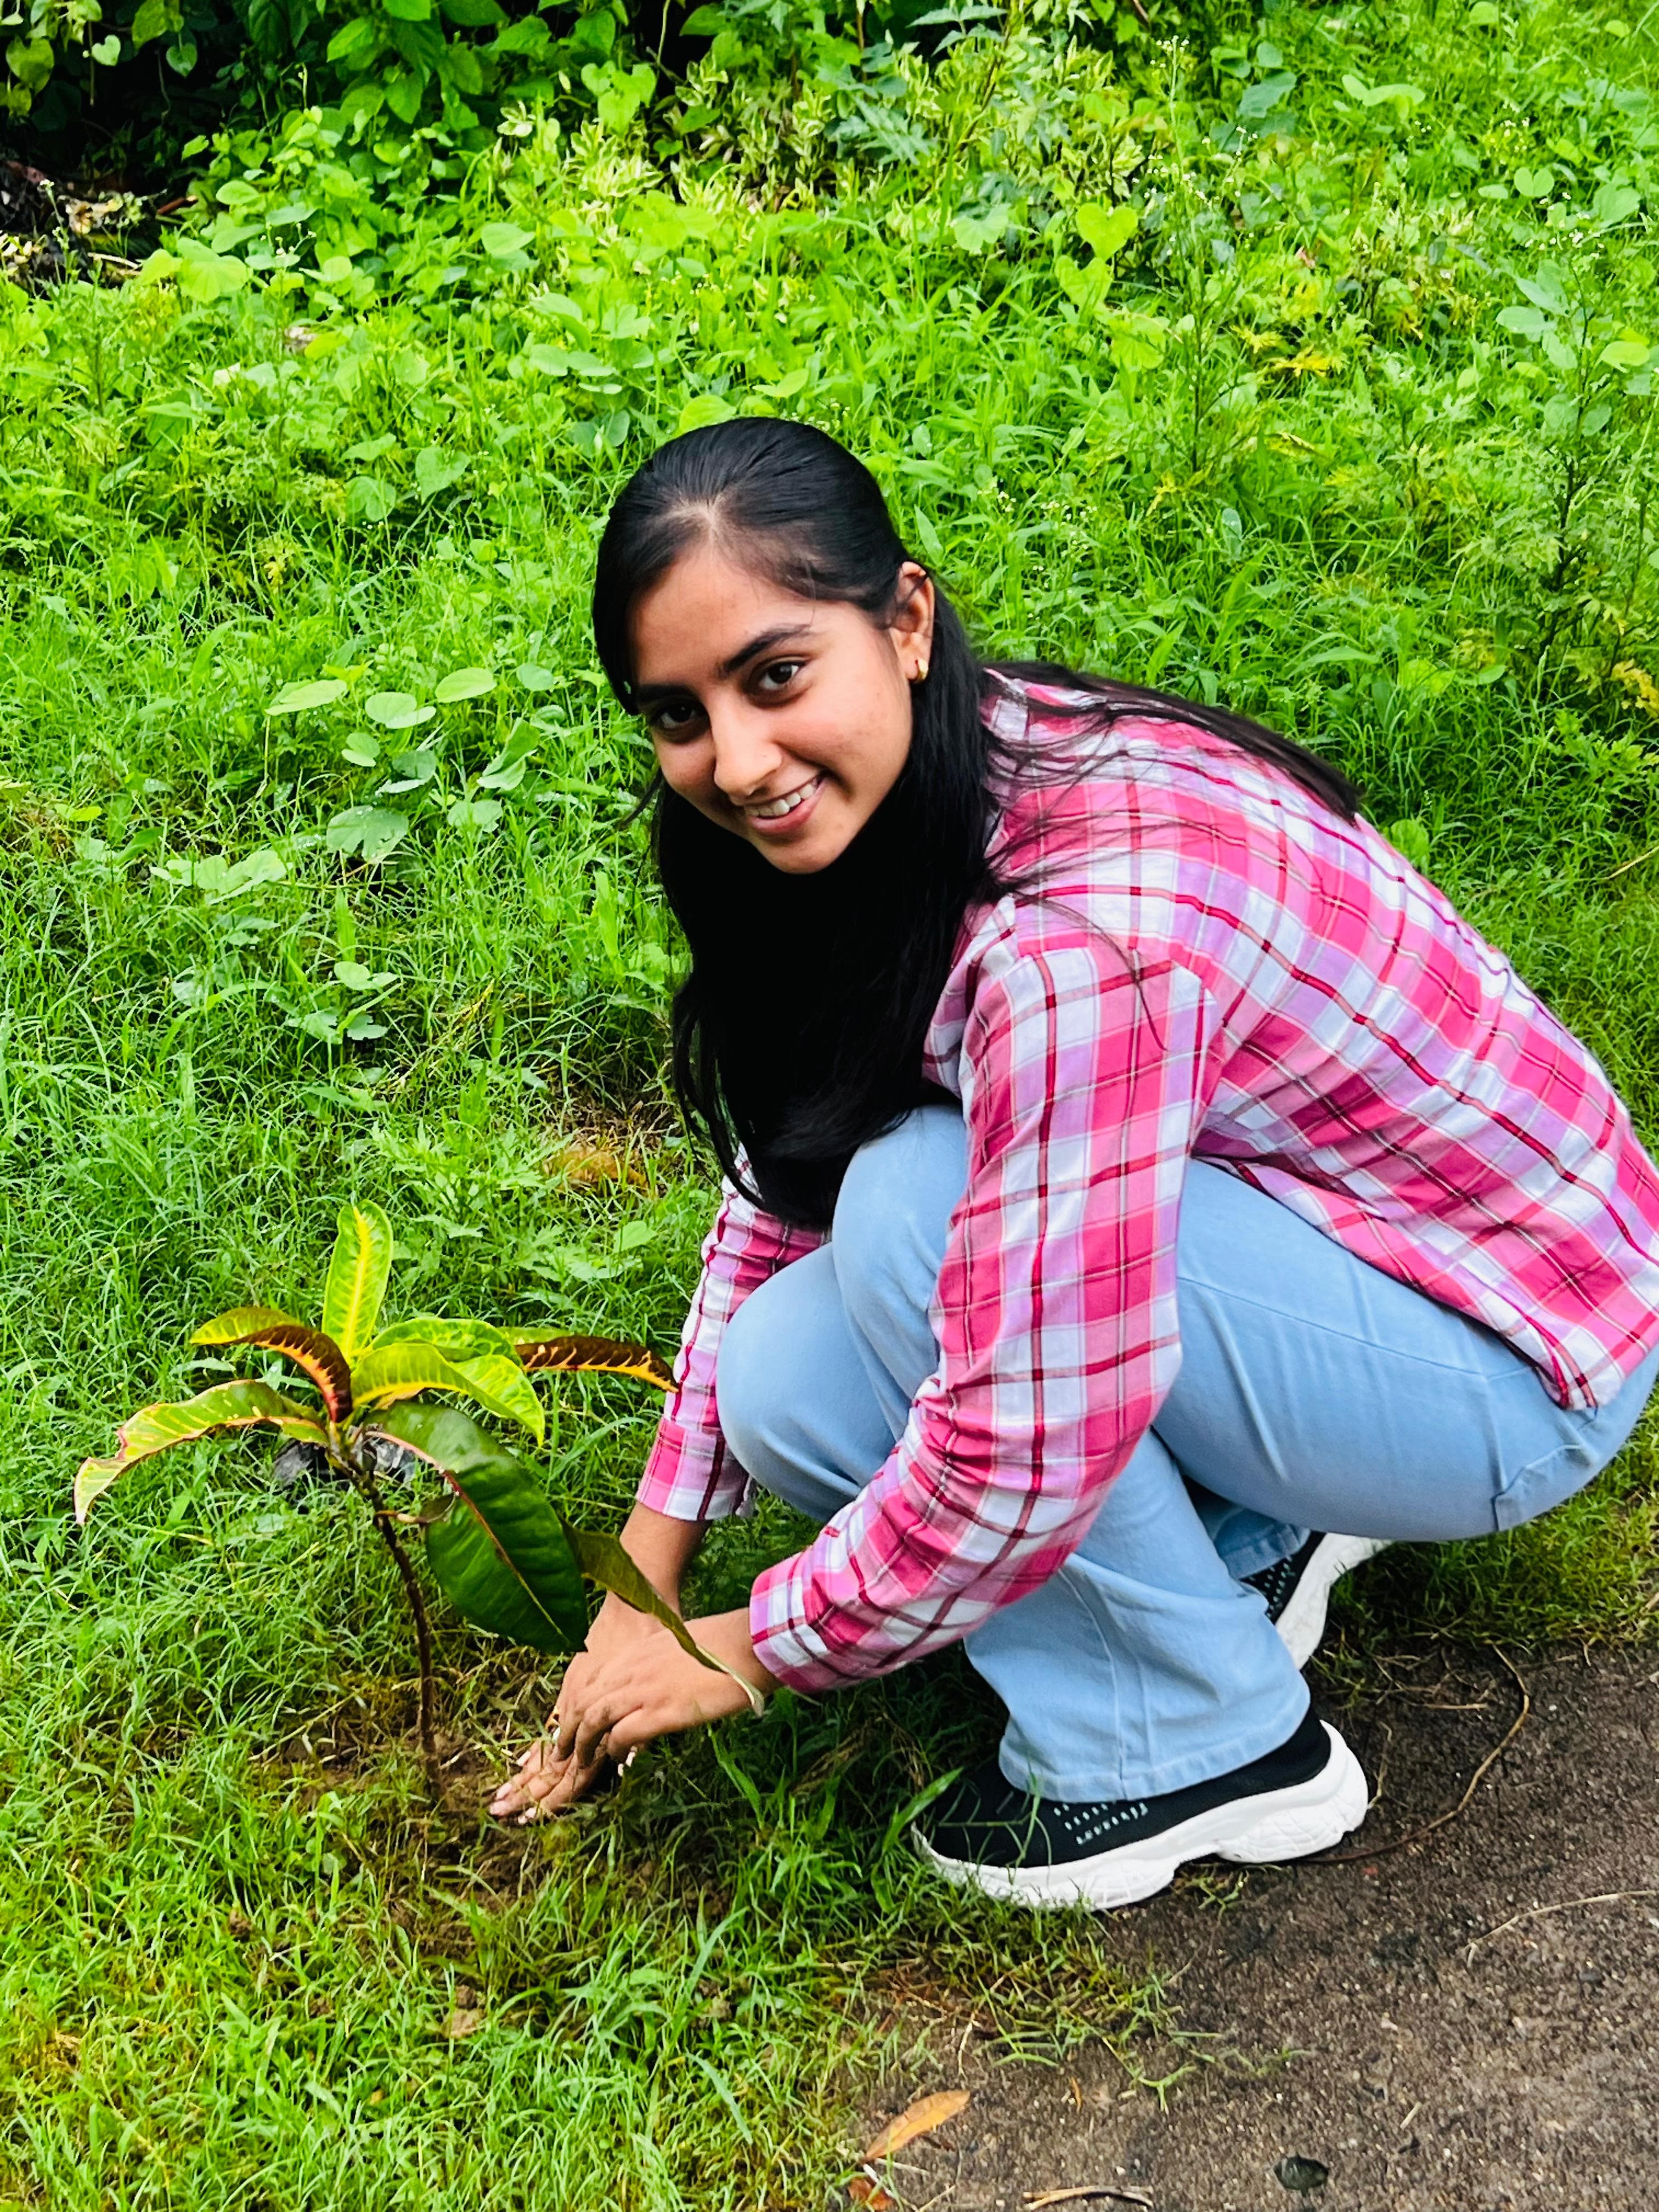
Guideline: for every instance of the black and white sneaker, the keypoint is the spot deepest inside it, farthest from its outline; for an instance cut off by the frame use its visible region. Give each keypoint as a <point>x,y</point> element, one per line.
<point>989,1836</point>
<point>1299,1590</point>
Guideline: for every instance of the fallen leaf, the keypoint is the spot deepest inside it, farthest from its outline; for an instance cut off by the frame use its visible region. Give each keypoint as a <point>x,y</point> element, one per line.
<point>588,1162</point>
<point>465,2020</point>
<point>918,2119</point>
<point>870,2194</point>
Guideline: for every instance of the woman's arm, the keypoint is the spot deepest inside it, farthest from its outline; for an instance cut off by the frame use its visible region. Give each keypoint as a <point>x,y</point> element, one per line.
<point>548,1778</point>
<point>631,1670</point>
<point>1085,1080</point>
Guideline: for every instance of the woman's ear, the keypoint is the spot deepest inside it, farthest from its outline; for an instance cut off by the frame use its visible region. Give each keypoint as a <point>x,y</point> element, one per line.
<point>911,624</point>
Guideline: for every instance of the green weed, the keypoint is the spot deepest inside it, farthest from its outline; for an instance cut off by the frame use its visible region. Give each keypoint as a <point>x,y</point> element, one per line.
<point>1354,428</point>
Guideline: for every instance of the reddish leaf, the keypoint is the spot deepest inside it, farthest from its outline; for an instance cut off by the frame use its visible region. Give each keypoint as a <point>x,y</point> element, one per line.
<point>308,1348</point>
<point>593,1355</point>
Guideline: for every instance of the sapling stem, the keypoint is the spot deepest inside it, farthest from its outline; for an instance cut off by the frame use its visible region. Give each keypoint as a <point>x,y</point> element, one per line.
<point>422,1641</point>
<point>363,1479</point>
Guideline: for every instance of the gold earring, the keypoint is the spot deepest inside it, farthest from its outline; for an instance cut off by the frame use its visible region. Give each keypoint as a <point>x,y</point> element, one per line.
<point>921,673</point>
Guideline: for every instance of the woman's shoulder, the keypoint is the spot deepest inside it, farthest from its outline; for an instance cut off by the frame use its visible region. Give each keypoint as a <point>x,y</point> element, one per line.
<point>1079,780</point>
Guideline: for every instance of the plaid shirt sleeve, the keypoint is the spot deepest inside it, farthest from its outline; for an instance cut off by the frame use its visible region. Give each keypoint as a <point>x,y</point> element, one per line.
<point>690,1474</point>
<point>1083,1089</point>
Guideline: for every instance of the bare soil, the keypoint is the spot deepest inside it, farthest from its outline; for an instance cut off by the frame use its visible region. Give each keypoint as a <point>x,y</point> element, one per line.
<point>1470,2023</point>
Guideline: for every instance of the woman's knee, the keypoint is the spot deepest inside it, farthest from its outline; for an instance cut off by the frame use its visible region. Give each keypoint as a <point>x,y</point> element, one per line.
<point>893,1217</point>
<point>752,1377</point>
<point>793,1404</point>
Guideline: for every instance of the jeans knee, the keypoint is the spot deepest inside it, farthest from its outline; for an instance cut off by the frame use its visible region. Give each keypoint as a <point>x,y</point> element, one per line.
<point>746,1384</point>
<point>893,1216</point>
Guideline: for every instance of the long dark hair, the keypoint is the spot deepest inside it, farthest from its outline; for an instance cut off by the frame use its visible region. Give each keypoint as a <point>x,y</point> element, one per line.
<point>798,1034</point>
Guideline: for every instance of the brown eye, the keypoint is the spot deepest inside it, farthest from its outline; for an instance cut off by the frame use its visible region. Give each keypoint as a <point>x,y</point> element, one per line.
<point>675,720</point>
<point>779,675</point>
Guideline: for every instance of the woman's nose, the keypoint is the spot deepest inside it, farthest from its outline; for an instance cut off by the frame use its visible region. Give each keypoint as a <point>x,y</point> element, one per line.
<point>745,754</point>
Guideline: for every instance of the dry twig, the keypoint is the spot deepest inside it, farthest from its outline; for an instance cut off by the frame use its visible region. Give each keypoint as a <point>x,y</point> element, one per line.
<point>1078,2195</point>
<point>1567,1904</point>
<point>1441,1819</point>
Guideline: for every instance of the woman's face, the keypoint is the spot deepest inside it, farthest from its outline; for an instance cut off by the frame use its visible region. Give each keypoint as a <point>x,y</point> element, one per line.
<point>784,720</point>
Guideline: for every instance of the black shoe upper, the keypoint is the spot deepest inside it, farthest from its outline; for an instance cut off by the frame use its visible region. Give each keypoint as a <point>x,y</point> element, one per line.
<point>984,1821</point>
<point>1277,1583</point>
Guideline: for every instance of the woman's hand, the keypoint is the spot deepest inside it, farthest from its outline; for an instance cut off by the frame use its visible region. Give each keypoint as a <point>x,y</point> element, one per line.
<point>631,1685</point>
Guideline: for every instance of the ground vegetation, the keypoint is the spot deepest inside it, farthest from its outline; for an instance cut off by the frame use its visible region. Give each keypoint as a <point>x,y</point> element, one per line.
<point>1304,359</point>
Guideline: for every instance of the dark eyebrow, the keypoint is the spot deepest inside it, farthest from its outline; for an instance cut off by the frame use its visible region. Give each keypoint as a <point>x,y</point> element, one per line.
<point>648,694</point>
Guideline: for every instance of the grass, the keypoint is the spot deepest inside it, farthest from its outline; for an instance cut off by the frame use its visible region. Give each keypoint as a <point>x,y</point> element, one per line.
<point>1292,456</point>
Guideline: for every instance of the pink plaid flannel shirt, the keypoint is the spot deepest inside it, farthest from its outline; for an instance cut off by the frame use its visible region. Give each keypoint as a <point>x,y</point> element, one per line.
<point>1206,962</point>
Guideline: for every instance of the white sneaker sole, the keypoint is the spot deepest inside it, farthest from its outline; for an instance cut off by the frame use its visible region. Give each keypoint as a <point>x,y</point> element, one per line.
<point>1302,1624</point>
<point>1280,1824</point>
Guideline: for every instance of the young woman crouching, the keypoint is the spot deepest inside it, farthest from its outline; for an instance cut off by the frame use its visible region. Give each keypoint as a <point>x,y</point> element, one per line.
<point>1135,1173</point>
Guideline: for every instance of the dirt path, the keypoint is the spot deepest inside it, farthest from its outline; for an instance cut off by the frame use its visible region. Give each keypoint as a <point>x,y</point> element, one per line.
<point>1414,2022</point>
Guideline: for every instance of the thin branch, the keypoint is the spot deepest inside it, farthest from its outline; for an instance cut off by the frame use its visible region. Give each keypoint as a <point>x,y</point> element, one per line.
<point>1441,1819</point>
<point>1567,1904</point>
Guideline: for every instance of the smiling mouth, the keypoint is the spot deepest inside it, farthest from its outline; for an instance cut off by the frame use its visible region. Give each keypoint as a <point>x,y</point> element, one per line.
<point>775,810</point>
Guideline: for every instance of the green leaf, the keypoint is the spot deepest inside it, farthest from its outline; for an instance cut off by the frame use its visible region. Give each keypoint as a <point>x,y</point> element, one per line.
<point>494,1380</point>
<point>435,471</point>
<point>1548,289</point>
<point>154,16</point>
<point>369,498</point>
<point>475,814</point>
<point>1614,203</point>
<point>500,241</point>
<point>1106,229</point>
<point>702,411</point>
<point>501,1387</point>
<point>456,1339</point>
<point>301,698</point>
<point>604,1561</point>
<point>403,1370</point>
<point>463,683</point>
<point>1258,101</point>
<point>397,710</point>
<point>357,1277</point>
<point>978,234</point>
<point>375,831</point>
<point>158,1428</point>
<point>500,1552</point>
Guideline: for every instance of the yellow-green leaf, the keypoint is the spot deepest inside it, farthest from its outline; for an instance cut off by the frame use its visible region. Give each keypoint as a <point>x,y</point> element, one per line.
<point>401,1371</point>
<point>158,1428</point>
<point>456,1339</point>
<point>357,1277</point>
<point>494,1380</point>
<point>239,1323</point>
<point>501,1387</point>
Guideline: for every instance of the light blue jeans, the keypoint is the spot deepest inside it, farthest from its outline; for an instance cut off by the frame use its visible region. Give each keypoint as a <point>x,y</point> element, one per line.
<point>1315,1392</point>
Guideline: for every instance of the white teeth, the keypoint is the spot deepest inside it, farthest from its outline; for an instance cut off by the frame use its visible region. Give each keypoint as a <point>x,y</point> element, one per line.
<point>775,809</point>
